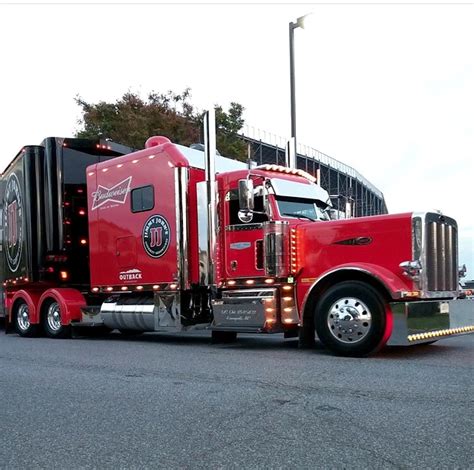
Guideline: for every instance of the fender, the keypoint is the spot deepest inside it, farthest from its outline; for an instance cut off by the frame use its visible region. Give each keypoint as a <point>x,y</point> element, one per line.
<point>70,301</point>
<point>393,284</point>
<point>32,300</point>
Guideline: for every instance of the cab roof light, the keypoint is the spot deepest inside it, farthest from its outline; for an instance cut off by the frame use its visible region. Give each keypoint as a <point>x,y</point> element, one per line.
<point>289,171</point>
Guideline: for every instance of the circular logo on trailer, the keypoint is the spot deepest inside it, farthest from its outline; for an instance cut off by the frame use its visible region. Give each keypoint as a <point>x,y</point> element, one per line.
<point>156,236</point>
<point>13,222</point>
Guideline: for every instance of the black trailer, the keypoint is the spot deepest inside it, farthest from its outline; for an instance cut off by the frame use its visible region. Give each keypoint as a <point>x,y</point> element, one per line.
<point>43,212</point>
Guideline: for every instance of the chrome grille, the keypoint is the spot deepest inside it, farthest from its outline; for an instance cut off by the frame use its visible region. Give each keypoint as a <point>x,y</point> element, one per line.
<point>441,253</point>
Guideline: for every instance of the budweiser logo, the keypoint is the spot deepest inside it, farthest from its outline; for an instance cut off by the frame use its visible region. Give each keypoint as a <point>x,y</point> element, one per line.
<point>117,193</point>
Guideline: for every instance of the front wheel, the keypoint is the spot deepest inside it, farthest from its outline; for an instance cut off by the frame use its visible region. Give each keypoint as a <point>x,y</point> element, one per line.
<point>350,319</point>
<point>52,321</point>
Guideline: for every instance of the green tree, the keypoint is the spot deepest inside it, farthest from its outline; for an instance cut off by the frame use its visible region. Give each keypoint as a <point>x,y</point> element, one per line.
<point>130,120</point>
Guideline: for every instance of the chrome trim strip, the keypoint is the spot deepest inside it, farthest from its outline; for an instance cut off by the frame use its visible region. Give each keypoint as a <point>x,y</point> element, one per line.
<point>249,293</point>
<point>181,184</point>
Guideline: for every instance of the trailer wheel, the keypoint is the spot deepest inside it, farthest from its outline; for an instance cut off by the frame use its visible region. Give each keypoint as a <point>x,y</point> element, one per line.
<point>52,321</point>
<point>350,319</point>
<point>23,326</point>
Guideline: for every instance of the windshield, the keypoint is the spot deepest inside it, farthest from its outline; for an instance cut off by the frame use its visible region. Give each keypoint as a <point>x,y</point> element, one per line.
<point>301,208</point>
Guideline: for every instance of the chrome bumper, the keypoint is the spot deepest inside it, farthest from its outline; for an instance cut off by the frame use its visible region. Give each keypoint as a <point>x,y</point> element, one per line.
<point>423,322</point>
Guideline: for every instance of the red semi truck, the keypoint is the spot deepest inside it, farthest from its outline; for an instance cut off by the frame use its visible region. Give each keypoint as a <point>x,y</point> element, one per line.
<point>174,239</point>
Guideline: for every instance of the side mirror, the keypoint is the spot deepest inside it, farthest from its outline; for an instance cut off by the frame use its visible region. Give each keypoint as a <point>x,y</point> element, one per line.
<point>246,194</point>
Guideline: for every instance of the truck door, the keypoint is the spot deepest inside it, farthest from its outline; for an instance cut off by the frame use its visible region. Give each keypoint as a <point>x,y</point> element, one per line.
<point>243,239</point>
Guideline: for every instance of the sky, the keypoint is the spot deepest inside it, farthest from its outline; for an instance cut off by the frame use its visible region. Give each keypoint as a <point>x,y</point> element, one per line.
<point>385,88</point>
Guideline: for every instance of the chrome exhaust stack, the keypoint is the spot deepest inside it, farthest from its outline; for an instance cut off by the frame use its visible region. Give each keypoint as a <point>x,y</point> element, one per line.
<point>290,153</point>
<point>211,191</point>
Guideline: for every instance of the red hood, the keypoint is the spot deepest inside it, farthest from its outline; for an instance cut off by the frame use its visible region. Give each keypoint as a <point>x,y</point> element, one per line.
<point>385,241</point>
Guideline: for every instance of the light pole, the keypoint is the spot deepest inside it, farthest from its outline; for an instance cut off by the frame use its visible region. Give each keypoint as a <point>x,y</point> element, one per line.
<point>292,147</point>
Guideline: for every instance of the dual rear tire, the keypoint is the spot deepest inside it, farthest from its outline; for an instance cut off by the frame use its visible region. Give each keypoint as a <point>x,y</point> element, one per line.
<point>50,320</point>
<point>23,325</point>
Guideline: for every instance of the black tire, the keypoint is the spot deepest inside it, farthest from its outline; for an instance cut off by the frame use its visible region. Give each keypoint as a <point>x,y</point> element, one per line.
<point>127,332</point>
<point>52,317</point>
<point>22,322</point>
<point>350,319</point>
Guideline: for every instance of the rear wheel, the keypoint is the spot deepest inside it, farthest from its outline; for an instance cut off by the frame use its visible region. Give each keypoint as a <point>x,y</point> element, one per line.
<point>350,319</point>
<point>23,325</point>
<point>52,319</point>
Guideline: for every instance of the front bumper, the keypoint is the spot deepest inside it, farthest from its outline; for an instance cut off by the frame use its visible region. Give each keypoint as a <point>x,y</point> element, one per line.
<point>426,321</point>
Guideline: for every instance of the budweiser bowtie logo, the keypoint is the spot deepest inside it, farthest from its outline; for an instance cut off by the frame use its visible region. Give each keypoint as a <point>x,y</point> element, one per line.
<point>117,193</point>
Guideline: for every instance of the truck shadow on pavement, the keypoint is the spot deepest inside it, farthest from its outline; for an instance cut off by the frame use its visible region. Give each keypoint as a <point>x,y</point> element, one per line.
<point>276,343</point>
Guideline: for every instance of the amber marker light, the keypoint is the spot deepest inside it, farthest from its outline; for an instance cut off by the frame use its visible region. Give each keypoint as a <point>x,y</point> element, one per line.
<point>269,281</point>
<point>83,241</point>
<point>287,288</point>
<point>64,275</point>
<point>249,281</point>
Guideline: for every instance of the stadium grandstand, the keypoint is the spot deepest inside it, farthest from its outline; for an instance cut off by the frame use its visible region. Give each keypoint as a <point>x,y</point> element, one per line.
<point>352,195</point>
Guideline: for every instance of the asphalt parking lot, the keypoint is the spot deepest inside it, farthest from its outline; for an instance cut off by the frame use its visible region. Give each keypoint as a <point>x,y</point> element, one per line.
<point>162,401</point>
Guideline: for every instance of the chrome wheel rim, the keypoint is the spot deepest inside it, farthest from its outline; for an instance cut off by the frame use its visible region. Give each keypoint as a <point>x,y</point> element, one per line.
<point>349,320</point>
<point>23,317</point>
<point>54,316</point>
